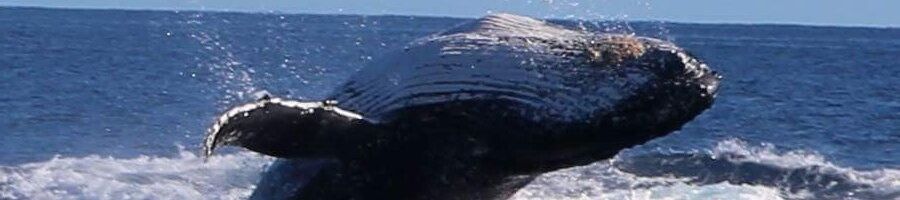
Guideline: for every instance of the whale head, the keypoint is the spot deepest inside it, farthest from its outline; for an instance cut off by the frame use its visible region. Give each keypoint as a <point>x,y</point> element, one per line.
<point>666,85</point>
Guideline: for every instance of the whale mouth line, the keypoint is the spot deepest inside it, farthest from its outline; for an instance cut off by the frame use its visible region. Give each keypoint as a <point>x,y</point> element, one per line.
<point>216,136</point>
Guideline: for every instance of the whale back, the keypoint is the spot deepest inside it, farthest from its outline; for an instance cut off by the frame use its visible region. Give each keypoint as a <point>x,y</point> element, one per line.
<point>542,70</point>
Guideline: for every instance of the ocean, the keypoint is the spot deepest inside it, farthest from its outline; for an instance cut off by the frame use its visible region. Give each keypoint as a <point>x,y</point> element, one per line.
<point>113,104</point>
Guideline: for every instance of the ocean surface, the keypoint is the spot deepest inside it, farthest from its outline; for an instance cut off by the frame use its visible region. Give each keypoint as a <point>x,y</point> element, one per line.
<point>107,104</point>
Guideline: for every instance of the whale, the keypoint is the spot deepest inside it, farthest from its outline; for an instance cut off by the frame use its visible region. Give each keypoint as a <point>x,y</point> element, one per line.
<point>476,111</point>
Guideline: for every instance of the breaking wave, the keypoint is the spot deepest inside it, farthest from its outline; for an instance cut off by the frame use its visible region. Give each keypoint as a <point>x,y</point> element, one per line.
<point>733,169</point>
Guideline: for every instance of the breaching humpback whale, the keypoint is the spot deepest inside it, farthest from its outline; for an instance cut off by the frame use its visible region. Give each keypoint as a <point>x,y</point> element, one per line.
<point>473,112</point>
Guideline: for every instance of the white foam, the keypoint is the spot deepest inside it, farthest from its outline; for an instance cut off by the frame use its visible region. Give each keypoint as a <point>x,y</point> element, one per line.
<point>602,181</point>
<point>233,176</point>
<point>94,177</point>
<point>884,180</point>
<point>766,153</point>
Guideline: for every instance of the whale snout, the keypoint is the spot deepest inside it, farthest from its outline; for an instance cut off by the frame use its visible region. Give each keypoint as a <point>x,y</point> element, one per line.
<point>697,74</point>
<point>708,82</point>
<point>706,79</point>
<point>684,87</point>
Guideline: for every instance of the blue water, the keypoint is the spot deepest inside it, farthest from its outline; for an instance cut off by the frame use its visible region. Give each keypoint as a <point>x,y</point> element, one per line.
<point>107,104</point>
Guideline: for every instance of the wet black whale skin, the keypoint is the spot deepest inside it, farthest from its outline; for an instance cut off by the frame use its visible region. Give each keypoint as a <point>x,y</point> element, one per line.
<point>475,112</point>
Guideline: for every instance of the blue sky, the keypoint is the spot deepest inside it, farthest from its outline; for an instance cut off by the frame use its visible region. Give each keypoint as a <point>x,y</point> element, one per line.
<point>879,13</point>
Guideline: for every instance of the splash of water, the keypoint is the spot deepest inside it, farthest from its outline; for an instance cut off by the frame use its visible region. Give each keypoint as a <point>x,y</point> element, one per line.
<point>229,74</point>
<point>607,16</point>
<point>146,177</point>
<point>731,170</point>
<point>233,176</point>
<point>602,180</point>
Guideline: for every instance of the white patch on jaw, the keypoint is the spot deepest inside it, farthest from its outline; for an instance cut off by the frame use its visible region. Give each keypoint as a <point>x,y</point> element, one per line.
<point>308,107</point>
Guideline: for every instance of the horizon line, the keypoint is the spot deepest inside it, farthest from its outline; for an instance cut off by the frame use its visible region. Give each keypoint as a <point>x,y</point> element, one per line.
<point>734,23</point>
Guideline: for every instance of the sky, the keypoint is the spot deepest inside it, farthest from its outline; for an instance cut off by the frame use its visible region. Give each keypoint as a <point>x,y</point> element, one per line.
<point>877,13</point>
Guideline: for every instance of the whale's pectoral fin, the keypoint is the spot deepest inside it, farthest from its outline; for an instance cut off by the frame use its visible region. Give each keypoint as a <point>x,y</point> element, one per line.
<point>282,128</point>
